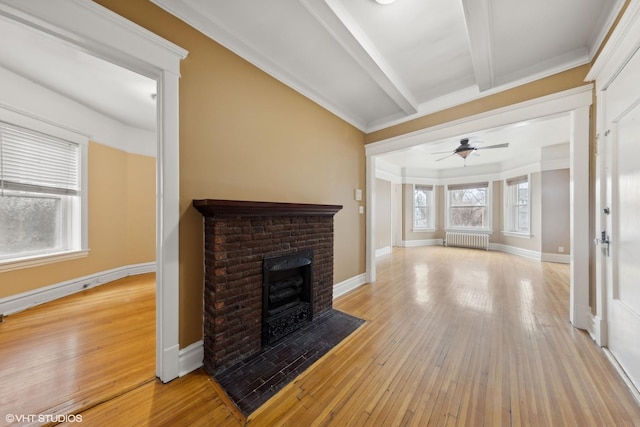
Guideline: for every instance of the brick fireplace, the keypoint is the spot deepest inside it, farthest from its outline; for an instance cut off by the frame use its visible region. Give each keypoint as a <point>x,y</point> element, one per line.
<point>239,237</point>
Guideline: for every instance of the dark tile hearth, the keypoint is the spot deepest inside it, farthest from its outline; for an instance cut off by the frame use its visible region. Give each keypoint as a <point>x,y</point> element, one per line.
<point>252,381</point>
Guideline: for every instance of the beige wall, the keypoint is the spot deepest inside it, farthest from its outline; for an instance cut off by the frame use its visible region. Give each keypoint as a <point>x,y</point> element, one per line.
<point>121,222</point>
<point>246,136</point>
<point>555,211</point>
<point>383,214</point>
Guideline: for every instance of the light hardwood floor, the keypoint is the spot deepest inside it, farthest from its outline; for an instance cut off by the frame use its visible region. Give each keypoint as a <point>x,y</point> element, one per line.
<point>453,337</point>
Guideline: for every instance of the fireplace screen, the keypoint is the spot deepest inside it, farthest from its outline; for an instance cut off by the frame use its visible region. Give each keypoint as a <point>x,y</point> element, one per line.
<point>286,295</point>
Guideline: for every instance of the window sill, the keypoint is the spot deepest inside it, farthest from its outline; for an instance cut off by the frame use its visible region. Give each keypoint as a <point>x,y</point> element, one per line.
<point>37,260</point>
<point>519,235</point>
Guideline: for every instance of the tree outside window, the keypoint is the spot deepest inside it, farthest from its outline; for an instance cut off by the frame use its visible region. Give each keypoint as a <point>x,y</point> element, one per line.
<point>468,206</point>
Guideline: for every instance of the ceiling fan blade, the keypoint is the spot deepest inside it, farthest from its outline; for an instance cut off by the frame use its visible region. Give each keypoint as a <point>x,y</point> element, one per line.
<point>506,144</point>
<point>442,152</point>
<point>445,157</point>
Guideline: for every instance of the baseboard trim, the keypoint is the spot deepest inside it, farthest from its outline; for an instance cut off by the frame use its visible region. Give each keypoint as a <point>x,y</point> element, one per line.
<point>383,251</point>
<point>19,302</point>
<point>349,285</point>
<point>417,243</point>
<point>513,250</point>
<point>632,387</point>
<point>191,358</point>
<point>525,253</point>
<point>598,330</point>
<point>559,258</point>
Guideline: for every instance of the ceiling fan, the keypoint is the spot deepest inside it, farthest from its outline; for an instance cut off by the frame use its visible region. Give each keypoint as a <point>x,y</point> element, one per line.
<point>464,149</point>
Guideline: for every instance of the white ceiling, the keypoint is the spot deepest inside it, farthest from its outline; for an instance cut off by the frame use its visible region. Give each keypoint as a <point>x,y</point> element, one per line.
<point>379,65</point>
<point>372,65</point>
<point>376,65</point>
<point>104,87</point>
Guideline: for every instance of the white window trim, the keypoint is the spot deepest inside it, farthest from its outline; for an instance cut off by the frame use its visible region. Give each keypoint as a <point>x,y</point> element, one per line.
<point>505,210</point>
<point>81,247</point>
<point>36,260</point>
<point>432,208</point>
<point>487,230</point>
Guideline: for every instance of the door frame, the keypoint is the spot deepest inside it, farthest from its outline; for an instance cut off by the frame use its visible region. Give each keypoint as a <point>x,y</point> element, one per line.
<point>577,102</point>
<point>100,32</point>
<point>616,53</point>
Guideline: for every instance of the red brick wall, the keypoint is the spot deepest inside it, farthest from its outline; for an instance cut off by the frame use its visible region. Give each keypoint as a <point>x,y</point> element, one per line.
<point>234,250</point>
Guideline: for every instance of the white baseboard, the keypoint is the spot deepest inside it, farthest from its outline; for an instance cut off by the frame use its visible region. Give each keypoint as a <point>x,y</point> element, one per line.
<point>513,250</point>
<point>582,318</point>
<point>525,253</point>
<point>19,302</point>
<point>623,374</point>
<point>191,358</point>
<point>427,242</point>
<point>559,258</point>
<point>383,251</point>
<point>598,330</point>
<point>345,286</point>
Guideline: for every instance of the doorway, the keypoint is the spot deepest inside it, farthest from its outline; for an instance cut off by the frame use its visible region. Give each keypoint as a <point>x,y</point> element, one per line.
<point>96,30</point>
<point>575,102</point>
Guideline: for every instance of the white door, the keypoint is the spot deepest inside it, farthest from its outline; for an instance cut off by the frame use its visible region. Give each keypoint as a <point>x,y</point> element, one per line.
<point>622,116</point>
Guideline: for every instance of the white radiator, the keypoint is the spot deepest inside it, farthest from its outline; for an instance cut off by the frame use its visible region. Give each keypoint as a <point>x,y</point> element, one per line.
<point>467,240</point>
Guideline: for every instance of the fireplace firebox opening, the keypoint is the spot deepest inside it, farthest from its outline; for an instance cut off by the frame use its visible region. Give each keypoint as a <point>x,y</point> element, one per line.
<point>287,294</point>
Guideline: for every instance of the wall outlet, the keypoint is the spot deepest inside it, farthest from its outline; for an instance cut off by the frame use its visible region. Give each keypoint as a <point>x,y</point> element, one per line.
<point>361,209</point>
<point>561,249</point>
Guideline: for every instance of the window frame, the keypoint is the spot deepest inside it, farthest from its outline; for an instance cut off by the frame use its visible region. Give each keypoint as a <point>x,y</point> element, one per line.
<point>487,228</point>
<point>508,212</point>
<point>76,212</point>
<point>430,205</point>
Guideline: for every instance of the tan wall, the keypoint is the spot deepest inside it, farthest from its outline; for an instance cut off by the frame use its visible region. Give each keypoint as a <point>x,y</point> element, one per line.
<point>118,181</point>
<point>555,211</point>
<point>383,213</point>
<point>246,136</point>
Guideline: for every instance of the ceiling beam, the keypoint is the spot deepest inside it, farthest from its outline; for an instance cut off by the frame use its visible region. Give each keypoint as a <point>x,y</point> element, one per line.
<point>478,20</point>
<point>346,31</point>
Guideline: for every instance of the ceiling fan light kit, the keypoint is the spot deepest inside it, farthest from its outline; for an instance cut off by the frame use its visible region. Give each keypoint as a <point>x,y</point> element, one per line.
<point>464,149</point>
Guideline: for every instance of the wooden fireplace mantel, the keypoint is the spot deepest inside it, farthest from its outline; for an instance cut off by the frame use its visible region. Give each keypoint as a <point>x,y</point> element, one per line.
<point>239,208</point>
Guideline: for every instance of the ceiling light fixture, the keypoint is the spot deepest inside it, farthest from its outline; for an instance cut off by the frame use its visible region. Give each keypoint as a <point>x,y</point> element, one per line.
<point>385,1</point>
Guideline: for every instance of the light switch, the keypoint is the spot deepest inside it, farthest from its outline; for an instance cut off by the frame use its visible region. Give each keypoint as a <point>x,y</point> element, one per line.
<point>358,196</point>
<point>361,209</point>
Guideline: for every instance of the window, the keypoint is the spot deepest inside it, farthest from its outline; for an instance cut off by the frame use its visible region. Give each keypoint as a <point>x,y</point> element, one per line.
<point>423,211</point>
<point>517,216</point>
<point>40,197</point>
<point>468,206</point>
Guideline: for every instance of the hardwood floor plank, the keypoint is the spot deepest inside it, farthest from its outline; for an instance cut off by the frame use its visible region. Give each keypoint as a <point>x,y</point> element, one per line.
<point>454,337</point>
<point>483,338</point>
<point>71,353</point>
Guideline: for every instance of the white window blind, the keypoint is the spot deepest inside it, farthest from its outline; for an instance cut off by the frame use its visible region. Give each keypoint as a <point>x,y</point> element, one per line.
<point>31,161</point>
